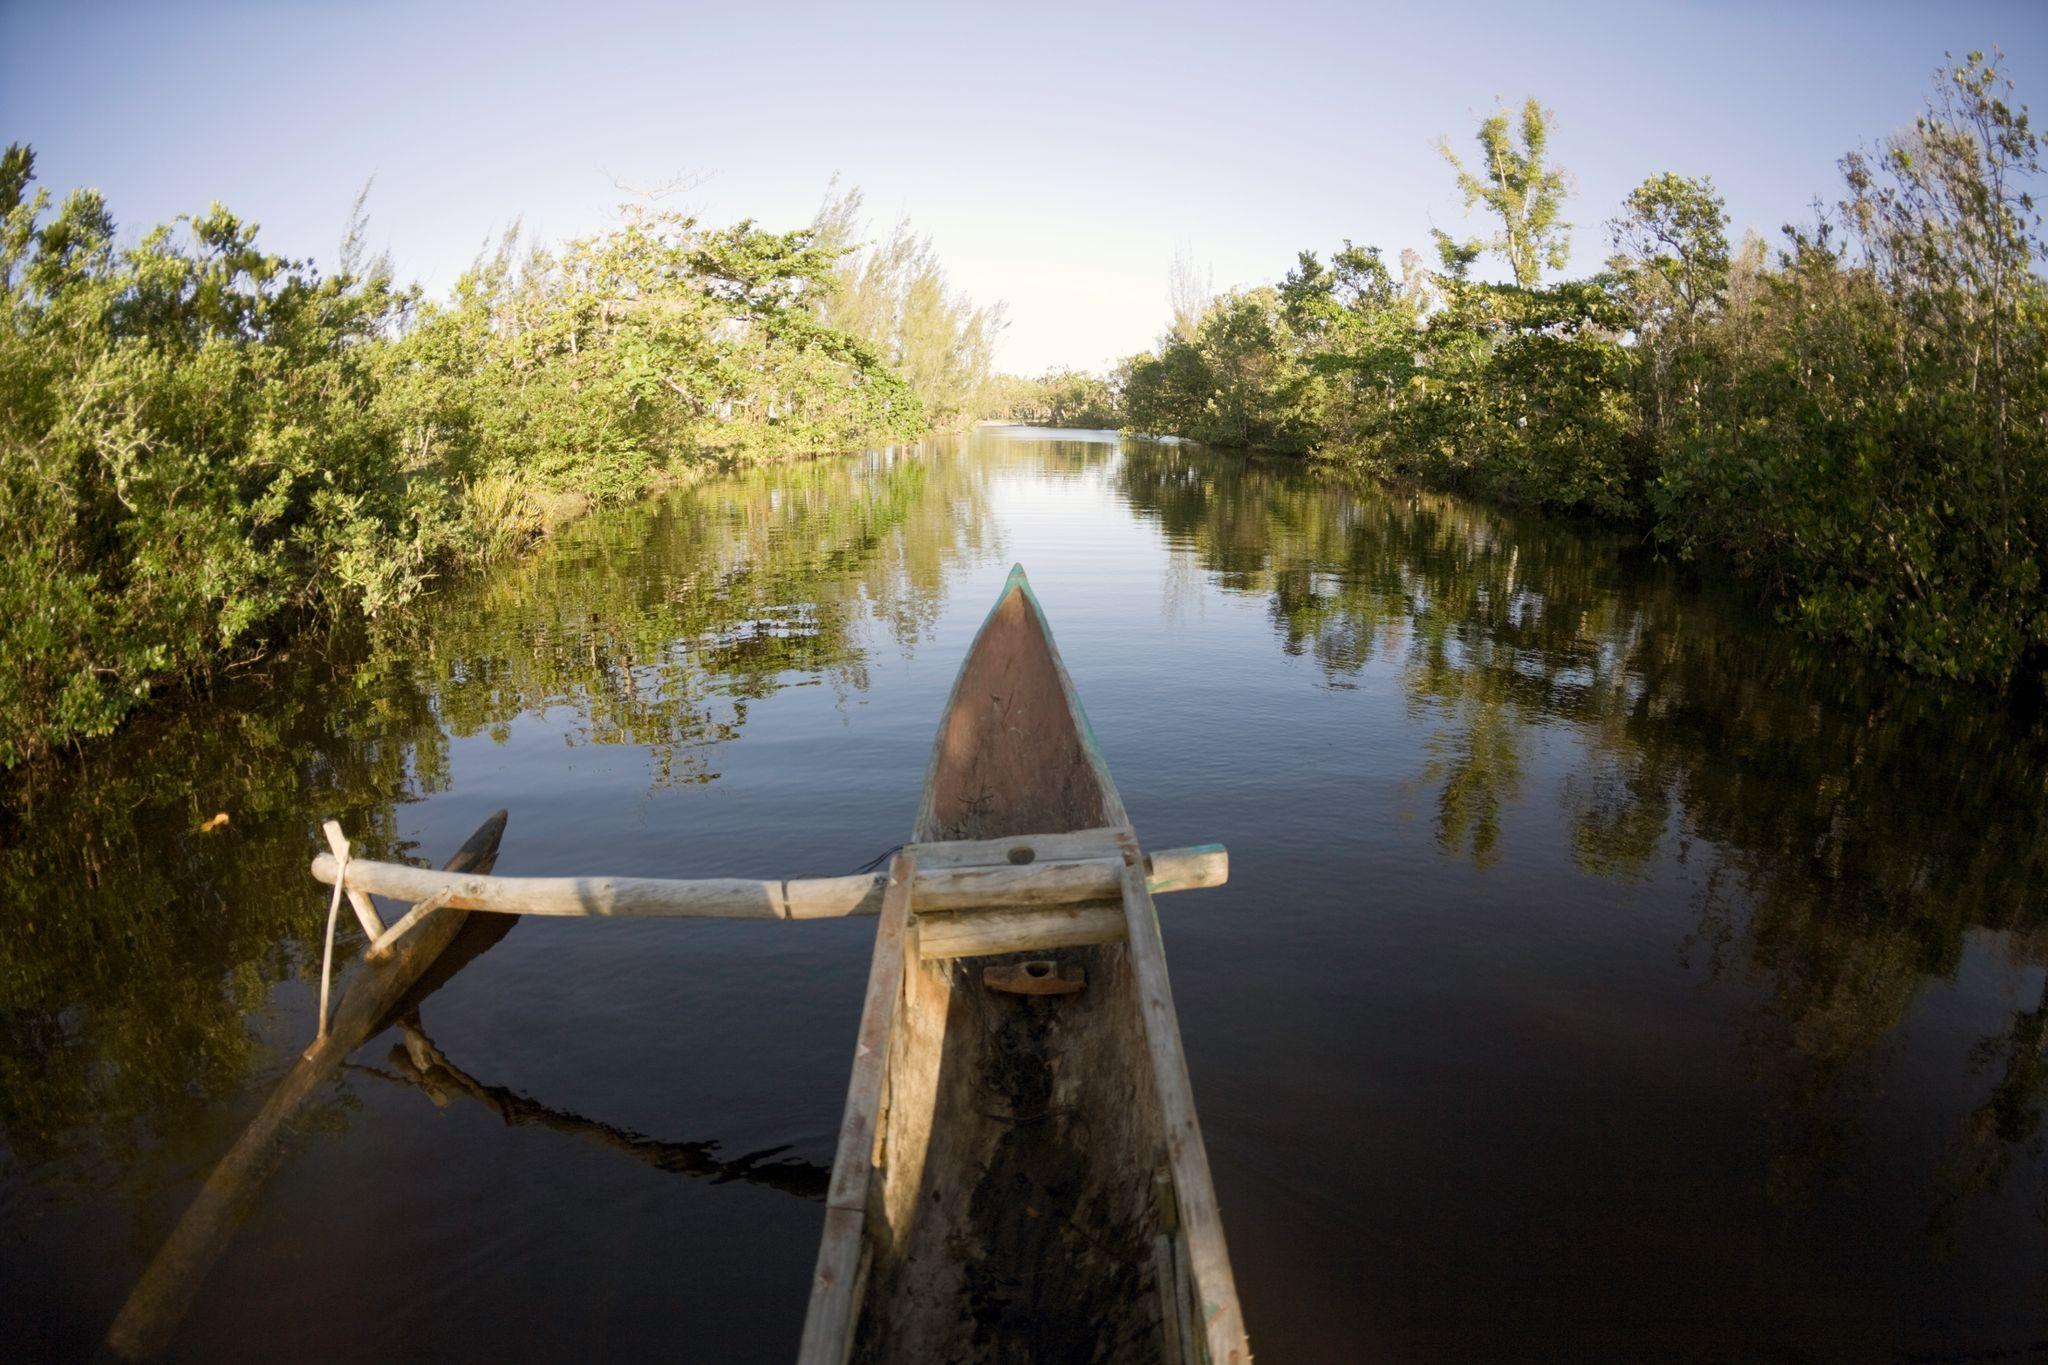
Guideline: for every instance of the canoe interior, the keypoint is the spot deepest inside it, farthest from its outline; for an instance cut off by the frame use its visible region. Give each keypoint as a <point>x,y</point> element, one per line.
<point>1014,1211</point>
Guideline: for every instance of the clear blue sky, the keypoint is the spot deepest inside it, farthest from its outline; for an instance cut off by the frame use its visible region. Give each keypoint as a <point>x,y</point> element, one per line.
<point>1058,155</point>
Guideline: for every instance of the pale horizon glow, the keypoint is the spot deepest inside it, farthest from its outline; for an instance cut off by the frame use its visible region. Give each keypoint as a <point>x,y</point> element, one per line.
<point>1057,156</point>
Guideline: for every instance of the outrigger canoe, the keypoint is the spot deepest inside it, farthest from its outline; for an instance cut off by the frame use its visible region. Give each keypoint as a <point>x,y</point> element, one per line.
<point>1020,1175</point>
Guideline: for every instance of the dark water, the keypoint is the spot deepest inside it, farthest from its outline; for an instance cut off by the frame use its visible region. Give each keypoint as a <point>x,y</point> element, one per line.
<point>1600,977</point>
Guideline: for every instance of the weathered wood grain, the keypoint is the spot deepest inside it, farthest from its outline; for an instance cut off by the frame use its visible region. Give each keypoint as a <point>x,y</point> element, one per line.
<point>1015,1214</point>
<point>835,1287</point>
<point>1060,882</point>
<point>1215,1305</point>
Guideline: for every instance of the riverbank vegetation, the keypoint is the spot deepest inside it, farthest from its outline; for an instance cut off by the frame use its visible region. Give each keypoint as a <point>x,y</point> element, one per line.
<point>1057,398</point>
<point>1857,418</point>
<point>148,939</point>
<point>204,445</point>
<point>893,294</point>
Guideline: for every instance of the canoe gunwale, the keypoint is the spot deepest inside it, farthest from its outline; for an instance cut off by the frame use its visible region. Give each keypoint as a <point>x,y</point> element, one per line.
<point>844,1253</point>
<point>1200,1220</point>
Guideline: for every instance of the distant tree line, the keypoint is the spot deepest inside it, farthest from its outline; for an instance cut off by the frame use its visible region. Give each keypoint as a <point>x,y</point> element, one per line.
<point>203,444</point>
<point>1858,419</point>
<point>1057,398</point>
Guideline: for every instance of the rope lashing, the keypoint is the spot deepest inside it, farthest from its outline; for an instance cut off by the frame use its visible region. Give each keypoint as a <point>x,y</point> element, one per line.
<point>327,959</point>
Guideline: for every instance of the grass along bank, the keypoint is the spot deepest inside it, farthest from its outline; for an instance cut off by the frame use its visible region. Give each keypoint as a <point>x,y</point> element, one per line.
<point>204,446</point>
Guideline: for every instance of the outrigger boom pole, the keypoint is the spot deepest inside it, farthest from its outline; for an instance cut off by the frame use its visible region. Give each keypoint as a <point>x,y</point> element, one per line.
<point>1005,883</point>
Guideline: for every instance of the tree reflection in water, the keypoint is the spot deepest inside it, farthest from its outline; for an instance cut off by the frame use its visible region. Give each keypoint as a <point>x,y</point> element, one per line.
<point>1849,831</point>
<point>138,951</point>
<point>1843,846</point>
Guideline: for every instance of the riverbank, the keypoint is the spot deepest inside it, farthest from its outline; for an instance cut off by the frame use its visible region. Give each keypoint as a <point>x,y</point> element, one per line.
<point>206,447</point>
<point>1858,421</point>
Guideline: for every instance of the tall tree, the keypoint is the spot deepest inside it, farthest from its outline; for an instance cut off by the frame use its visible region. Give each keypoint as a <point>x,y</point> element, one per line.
<point>1946,215</point>
<point>1671,271</point>
<point>1671,249</point>
<point>1191,290</point>
<point>1522,188</point>
<point>893,294</point>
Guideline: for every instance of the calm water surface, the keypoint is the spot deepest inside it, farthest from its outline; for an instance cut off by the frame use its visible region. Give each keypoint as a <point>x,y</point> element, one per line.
<point>1600,977</point>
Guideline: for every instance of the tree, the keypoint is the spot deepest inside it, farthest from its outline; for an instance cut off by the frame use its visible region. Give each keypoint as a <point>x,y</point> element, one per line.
<point>1519,186</point>
<point>1356,326</point>
<point>1190,290</point>
<point>1671,269</point>
<point>1945,216</point>
<point>893,294</point>
<point>1671,245</point>
<point>1062,398</point>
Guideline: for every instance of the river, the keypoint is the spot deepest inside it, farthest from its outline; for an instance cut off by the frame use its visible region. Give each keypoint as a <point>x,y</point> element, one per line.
<point>1602,974</point>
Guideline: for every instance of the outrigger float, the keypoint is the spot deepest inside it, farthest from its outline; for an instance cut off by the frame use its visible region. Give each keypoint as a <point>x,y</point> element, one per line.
<point>1020,1174</point>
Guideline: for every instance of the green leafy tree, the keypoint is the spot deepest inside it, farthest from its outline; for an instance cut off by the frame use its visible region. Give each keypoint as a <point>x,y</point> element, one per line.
<point>1874,447</point>
<point>1519,186</point>
<point>189,452</point>
<point>1239,382</point>
<point>204,446</point>
<point>1947,219</point>
<point>1671,268</point>
<point>1358,329</point>
<point>1671,245</point>
<point>893,295</point>
<point>1858,425</point>
<point>1062,398</point>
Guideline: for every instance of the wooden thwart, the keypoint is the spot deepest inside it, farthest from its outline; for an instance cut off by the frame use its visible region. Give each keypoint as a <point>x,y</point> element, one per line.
<point>976,933</point>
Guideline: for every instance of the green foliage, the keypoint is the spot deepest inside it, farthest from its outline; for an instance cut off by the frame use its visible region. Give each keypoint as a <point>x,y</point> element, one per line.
<point>893,295</point>
<point>1861,426</point>
<point>1671,271</point>
<point>202,444</point>
<point>1524,191</point>
<point>1355,326</point>
<point>1525,396</point>
<point>603,367</point>
<point>1671,242</point>
<point>1059,398</point>
<point>1521,394</point>
<point>1236,383</point>
<point>189,451</point>
<point>1874,444</point>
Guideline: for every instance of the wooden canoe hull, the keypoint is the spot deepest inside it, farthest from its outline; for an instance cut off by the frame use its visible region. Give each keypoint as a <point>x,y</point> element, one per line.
<point>1015,1178</point>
